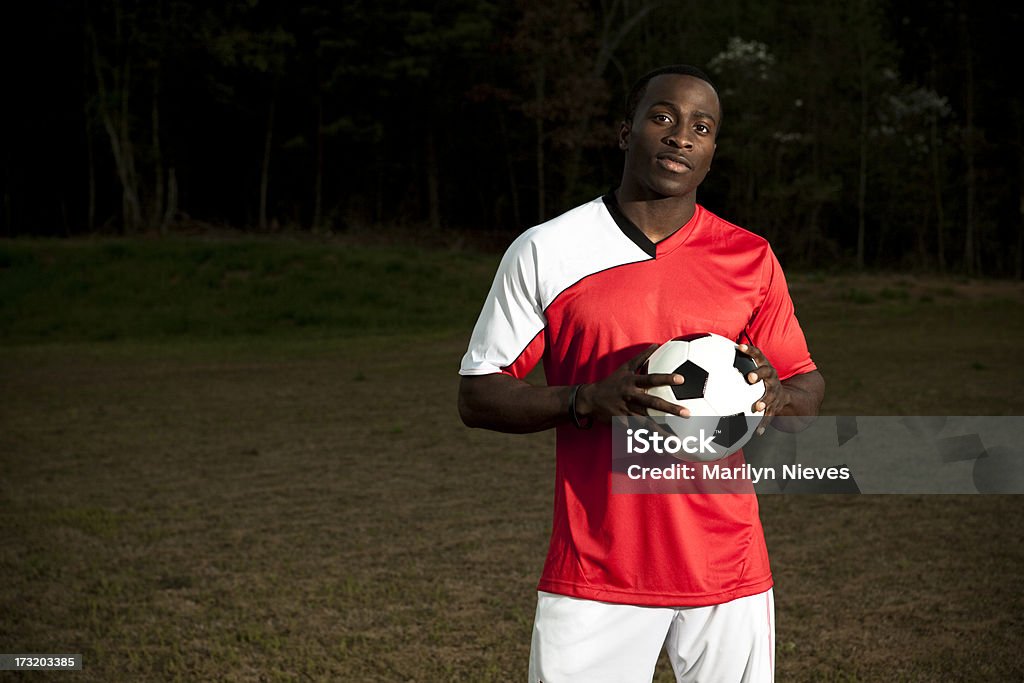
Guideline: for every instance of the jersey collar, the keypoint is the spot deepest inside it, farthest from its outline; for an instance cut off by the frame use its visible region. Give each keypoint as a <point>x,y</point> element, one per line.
<point>637,236</point>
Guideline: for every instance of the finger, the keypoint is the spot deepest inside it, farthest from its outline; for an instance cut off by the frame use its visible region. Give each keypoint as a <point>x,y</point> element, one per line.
<point>763,424</point>
<point>762,403</point>
<point>644,403</point>
<point>658,379</point>
<point>664,406</point>
<point>751,351</point>
<point>763,372</point>
<point>640,411</point>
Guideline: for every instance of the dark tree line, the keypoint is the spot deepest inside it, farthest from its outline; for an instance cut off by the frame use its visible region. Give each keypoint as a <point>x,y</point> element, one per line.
<point>867,132</point>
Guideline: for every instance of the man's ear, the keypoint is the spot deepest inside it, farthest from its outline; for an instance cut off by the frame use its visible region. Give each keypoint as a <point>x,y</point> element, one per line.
<point>624,130</point>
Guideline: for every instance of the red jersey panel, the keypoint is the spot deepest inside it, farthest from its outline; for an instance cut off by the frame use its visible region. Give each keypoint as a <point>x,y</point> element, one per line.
<point>587,292</point>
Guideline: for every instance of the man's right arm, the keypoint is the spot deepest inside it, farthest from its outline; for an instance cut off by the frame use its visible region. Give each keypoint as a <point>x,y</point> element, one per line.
<point>507,404</point>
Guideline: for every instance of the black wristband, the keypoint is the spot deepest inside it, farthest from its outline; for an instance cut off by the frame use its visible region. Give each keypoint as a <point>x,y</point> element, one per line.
<point>585,423</point>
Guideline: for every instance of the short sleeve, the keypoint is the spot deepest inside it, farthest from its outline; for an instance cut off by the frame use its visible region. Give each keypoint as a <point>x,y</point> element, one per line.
<point>509,334</point>
<point>774,327</point>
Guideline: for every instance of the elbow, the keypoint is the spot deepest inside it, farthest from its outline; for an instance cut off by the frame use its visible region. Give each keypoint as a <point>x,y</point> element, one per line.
<point>466,414</point>
<point>819,392</point>
<point>814,395</point>
<point>479,403</point>
<point>469,416</point>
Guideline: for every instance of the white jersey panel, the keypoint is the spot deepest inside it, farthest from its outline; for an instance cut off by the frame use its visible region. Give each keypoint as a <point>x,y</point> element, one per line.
<point>539,265</point>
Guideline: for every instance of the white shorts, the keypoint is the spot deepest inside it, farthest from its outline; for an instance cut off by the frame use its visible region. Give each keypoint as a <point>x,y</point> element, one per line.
<point>584,641</point>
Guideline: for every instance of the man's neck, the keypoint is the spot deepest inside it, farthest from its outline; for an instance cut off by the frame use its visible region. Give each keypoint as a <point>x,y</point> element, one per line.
<point>657,218</point>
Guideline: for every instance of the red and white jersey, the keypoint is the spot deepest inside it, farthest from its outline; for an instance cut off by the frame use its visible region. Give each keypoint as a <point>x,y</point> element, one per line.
<point>588,291</point>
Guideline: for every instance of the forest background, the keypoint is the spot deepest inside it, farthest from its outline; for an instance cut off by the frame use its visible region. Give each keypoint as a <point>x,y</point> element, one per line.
<point>217,297</point>
<point>869,133</point>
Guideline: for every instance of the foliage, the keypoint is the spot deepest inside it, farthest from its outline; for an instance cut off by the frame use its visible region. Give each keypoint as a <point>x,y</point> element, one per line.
<point>866,132</point>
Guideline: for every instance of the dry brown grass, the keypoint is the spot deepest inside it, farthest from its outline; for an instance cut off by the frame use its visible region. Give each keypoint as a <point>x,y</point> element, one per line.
<point>317,512</point>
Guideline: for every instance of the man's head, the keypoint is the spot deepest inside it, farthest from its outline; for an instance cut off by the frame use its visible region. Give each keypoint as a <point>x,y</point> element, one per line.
<point>673,116</point>
<point>636,93</point>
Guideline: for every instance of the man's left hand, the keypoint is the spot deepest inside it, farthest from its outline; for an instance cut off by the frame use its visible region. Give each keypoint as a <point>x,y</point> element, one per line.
<point>774,398</point>
<point>790,405</point>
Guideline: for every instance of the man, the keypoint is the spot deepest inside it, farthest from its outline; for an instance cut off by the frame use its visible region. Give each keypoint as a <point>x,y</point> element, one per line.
<point>593,292</point>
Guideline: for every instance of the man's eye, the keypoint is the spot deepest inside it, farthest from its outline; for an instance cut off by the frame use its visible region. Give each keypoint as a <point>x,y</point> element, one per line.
<point>701,128</point>
<point>662,118</point>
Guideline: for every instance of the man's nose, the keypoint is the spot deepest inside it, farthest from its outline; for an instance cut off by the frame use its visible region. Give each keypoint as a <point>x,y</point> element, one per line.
<point>680,139</point>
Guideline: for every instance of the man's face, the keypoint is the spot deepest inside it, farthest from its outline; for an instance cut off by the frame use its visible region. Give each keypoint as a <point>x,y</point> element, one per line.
<point>670,142</point>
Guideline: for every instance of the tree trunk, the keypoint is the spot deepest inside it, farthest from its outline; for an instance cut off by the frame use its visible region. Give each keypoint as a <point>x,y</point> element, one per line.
<point>125,158</point>
<point>940,216</point>
<point>378,193</point>
<point>513,186</point>
<point>265,170</point>
<point>171,212</point>
<point>90,155</point>
<point>157,210</point>
<point>433,182</point>
<point>1018,270</point>
<point>116,126</point>
<point>609,42</point>
<point>970,246</point>
<point>539,130</point>
<point>862,182</point>
<point>862,174</point>
<point>7,215</point>
<point>318,182</point>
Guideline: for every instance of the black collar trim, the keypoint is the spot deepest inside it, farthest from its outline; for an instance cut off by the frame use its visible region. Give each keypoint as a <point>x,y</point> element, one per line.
<point>628,227</point>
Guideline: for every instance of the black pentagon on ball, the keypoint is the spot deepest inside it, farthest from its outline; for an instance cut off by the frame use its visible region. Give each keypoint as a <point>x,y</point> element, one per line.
<point>695,380</point>
<point>691,337</point>
<point>744,363</point>
<point>730,429</point>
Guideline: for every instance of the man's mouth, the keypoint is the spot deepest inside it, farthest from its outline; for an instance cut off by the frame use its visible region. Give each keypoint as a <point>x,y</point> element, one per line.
<point>674,163</point>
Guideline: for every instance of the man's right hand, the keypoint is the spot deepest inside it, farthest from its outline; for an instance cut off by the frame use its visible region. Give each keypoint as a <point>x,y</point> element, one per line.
<point>624,392</point>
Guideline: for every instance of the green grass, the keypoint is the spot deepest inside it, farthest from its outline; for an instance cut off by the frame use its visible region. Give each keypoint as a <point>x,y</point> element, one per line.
<point>167,290</point>
<point>246,498</point>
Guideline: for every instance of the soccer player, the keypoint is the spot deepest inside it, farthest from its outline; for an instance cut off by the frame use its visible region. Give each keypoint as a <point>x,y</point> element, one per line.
<point>592,292</point>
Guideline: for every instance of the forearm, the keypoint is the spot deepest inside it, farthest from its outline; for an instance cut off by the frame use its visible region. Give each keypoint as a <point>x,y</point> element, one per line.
<point>803,396</point>
<point>506,404</point>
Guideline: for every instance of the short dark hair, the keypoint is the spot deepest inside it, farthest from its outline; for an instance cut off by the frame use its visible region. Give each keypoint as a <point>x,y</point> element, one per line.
<point>636,93</point>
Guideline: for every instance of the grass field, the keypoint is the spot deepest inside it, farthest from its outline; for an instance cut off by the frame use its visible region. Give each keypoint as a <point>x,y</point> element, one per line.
<point>241,461</point>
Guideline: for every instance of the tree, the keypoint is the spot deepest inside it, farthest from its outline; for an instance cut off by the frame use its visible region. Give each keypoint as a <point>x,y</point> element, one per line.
<point>245,41</point>
<point>112,62</point>
<point>553,41</point>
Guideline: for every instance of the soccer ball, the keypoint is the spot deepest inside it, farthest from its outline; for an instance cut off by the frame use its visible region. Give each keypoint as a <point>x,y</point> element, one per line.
<point>715,390</point>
